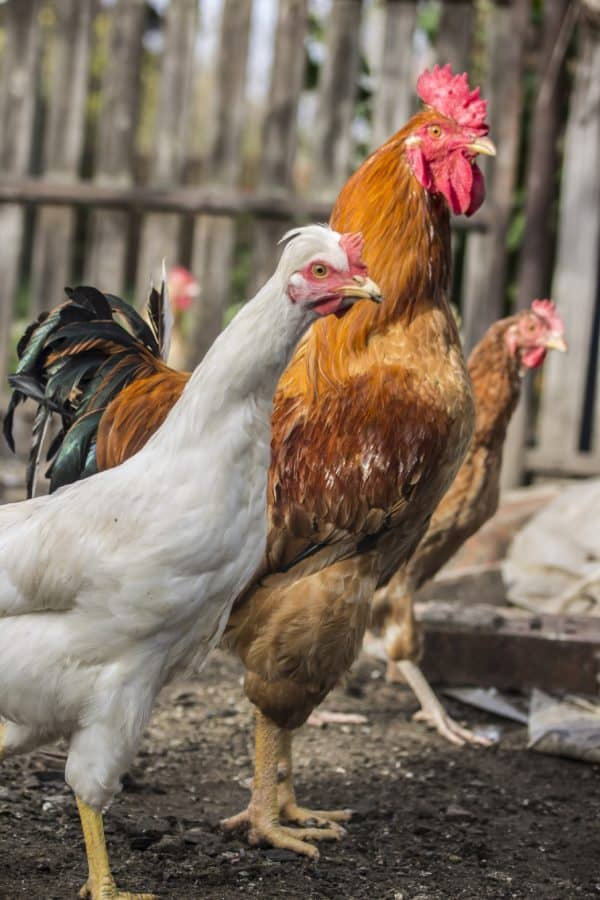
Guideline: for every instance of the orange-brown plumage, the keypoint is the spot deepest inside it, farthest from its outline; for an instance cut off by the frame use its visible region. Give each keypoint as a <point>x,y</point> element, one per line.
<point>137,412</point>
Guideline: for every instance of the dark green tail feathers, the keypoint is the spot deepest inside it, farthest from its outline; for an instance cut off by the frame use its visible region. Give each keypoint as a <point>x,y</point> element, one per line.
<point>72,362</point>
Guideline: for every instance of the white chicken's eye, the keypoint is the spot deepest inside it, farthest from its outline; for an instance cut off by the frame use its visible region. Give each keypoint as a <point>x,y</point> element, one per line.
<point>319,270</point>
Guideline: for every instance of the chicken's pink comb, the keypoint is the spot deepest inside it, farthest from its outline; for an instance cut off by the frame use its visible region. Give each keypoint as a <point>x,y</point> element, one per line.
<point>353,244</point>
<point>450,95</point>
<point>546,310</point>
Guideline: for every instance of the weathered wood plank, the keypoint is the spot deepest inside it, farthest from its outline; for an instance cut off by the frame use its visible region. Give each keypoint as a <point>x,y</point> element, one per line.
<point>575,284</point>
<point>105,264</point>
<point>506,649</point>
<point>535,259</point>
<point>215,200</point>
<point>559,462</point>
<point>160,233</point>
<point>214,238</point>
<point>484,285</point>
<point>281,125</point>
<point>455,35</point>
<point>63,146</point>
<point>394,98</point>
<point>18,90</point>
<point>332,146</point>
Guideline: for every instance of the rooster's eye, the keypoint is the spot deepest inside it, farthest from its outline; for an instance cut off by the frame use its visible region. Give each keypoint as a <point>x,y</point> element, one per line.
<point>435,131</point>
<point>320,271</point>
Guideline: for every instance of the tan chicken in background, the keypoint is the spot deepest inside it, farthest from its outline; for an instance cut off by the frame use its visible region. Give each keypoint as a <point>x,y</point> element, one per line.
<point>496,365</point>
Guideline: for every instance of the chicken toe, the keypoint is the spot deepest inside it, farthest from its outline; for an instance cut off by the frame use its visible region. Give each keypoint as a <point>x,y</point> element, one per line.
<point>107,890</point>
<point>325,819</point>
<point>284,838</point>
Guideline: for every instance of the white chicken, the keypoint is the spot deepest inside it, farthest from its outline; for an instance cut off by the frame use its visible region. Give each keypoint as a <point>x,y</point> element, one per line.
<point>111,585</point>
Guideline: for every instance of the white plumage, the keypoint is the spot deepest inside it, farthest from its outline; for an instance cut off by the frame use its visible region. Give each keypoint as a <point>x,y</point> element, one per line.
<point>111,585</point>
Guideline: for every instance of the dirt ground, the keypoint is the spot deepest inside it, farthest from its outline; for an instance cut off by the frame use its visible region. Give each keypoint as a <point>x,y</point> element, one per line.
<point>432,822</point>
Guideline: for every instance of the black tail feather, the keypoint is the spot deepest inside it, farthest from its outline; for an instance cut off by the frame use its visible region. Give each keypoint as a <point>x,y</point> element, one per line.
<point>73,361</point>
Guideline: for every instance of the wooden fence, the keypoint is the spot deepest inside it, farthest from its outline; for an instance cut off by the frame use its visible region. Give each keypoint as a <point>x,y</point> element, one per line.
<point>89,190</point>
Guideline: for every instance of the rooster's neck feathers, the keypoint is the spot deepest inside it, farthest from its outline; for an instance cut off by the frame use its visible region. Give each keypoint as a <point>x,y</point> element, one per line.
<point>407,249</point>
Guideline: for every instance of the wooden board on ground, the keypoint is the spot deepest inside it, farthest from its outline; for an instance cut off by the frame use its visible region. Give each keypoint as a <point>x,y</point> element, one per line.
<point>506,648</point>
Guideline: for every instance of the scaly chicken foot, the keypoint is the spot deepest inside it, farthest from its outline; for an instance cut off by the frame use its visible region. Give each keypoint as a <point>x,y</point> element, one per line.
<point>100,884</point>
<point>432,712</point>
<point>262,814</point>
<point>289,810</point>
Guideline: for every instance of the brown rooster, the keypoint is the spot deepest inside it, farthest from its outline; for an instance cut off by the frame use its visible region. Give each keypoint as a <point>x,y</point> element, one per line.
<point>496,366</point>
<point>371,423</point>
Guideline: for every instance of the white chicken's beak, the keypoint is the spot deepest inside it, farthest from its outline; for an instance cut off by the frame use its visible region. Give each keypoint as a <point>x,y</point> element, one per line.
<point>361,288</point>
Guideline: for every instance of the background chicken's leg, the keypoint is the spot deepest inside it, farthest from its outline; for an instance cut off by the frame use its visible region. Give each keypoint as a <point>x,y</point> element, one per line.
<point>100,884</point>
<point>432,712</point>
<point>289,810</point>
<point>2,730</point>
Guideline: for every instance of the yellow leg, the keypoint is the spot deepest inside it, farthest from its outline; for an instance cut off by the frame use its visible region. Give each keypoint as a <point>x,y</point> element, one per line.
<point>2,730</point>
<point>289,809</point>
<point>100,884</point>
<point>262,815</point>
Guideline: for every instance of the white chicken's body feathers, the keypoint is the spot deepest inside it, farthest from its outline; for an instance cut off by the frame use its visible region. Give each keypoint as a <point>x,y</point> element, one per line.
<point>111,585</point>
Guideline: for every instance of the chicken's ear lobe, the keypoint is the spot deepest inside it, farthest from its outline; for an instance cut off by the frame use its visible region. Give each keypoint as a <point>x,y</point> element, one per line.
<point>420,166</point>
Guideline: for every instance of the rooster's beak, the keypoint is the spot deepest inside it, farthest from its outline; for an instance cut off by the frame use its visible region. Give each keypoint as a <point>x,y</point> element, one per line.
<point>482,145</point>
<point>361,288</point>
<point>556,342</point>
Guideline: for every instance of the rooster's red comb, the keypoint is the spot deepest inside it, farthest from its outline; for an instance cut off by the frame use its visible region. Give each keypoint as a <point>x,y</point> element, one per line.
<point>547,311</point>
<point>353,245</point>
<point>450,95</point>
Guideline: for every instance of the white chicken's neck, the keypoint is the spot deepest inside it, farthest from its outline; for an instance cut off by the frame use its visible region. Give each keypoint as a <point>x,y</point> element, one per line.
<point>243,365</point>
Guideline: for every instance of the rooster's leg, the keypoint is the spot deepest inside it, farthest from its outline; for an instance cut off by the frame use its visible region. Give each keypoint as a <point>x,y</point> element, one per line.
<point>432,712</point>
<point>289,809</point>
<point>2,731</point>
<point>262,815</point>
<point>100,884</point>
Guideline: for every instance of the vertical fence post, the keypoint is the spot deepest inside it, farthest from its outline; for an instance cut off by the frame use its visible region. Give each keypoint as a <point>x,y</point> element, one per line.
<point>18,91</point>
<point>338,81</point>
<point>485,263</point>
<point>454,45</point>
<point>393,74</point>
<point>280,126</point>
<point>109,230</point>
<point>535,259</point>
<point>214,236</point>
<point>63,147</point>
<point>455,34</point>
<point>575,283</point>
<point>160,233</point>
